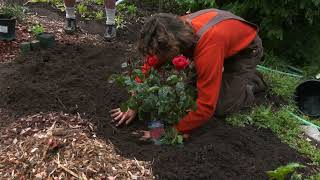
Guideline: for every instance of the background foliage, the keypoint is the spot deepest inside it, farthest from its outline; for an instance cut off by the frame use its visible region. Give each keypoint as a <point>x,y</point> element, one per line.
<point>290,28</point>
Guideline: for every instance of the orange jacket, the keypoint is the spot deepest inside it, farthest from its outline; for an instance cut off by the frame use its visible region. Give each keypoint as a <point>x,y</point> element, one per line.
<point>221,41</point>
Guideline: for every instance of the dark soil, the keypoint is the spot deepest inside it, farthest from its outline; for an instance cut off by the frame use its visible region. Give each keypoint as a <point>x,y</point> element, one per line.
<point>74,78</point>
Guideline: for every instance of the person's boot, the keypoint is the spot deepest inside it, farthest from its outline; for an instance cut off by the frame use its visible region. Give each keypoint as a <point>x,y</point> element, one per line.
<point>110,32</point>
<point>70,25</point>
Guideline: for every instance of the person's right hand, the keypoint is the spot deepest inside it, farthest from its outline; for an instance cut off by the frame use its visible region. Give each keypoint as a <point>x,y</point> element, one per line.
<point>120,117</point>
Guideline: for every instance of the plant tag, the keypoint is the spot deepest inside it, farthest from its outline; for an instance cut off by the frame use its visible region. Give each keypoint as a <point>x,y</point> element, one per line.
<point>124,65</point>
<point>4,29</point>
<point>154,124</point>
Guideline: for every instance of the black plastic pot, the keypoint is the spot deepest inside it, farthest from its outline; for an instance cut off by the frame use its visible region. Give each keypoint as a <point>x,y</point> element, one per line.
<point>47,40</point>
<point>307,97</point>
<point>7,28</point>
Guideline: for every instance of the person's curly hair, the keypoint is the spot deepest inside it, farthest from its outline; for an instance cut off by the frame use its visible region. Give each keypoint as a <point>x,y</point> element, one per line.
<point>167,34</point>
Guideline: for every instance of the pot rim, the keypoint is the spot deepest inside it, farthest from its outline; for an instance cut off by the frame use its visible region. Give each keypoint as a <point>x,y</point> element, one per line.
<point>297,99</point>
<point>4,17</point>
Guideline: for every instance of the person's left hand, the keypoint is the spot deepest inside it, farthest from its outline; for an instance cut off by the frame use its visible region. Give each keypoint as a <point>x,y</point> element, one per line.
<point>122,117</point>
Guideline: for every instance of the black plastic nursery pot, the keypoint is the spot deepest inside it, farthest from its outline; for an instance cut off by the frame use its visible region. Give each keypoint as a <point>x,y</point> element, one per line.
<point>307,97</point>
<point>47,40</point>
<point>7,28</point>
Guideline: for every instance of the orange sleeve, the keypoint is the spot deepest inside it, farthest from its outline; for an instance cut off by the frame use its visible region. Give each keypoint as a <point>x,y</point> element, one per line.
<point>209,65</point>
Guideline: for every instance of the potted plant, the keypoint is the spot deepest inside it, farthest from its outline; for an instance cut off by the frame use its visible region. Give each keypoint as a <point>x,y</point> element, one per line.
<point>44,39</point>
<point>8,16</point>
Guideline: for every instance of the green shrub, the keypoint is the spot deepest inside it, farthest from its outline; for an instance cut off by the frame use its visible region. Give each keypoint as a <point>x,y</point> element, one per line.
<point>99,15</point>
<point>289,28</point>
<point>194,5</point>
<point>37,29</point>
<point>12,11</point>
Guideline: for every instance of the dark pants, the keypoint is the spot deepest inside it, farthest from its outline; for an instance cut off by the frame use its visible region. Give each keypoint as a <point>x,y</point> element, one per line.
<point>241,80</point>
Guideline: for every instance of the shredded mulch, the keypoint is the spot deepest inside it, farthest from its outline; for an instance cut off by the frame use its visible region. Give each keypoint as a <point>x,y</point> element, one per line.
<point>63,146</point>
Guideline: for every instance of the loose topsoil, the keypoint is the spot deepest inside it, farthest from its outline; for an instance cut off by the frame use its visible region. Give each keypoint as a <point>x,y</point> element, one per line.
<point>74,79</point>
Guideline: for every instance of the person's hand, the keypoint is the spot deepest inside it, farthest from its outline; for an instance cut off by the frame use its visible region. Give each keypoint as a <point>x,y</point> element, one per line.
<point>120,117</point>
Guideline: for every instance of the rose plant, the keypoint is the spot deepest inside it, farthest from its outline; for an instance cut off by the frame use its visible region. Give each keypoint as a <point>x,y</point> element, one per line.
<point>165,94</point>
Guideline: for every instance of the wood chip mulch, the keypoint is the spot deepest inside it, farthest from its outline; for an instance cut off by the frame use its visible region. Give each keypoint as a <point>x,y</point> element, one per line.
<point>62,146</point>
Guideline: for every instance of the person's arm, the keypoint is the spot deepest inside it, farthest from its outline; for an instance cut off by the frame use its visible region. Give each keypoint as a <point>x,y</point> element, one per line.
<point>209,65</point>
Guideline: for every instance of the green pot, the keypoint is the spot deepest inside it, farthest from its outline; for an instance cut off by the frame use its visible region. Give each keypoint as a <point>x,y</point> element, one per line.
<point>25,47</point>
<point>35,45</point>
<point>7,28</point>
<point>46,40</point>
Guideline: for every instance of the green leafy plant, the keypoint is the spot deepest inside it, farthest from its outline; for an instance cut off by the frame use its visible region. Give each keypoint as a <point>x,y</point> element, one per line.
<point>9,11</point>
<point>166,96</point>
<point>58,4</point>
<point>82,10</point>
<point>194,5</point>
<point>171,136</point>
<point>132,10</point>
<point>99,2</point>
<point>37,29</point>
<point>283,172</point>
<point>121,7</point>
<point>157,97</point>
<point>120,23</point>
<point>99,15</point>
<point>39,1</point>
<point>124,8</point>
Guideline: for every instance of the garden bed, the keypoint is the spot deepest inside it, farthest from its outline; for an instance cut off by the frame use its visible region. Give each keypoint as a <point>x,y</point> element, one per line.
<point>73,78</point>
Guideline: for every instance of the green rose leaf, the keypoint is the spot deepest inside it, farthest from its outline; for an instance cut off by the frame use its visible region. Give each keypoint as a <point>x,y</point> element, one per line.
<point>124,107</point>
<point>180,87</point>
<point>153,89</point>
<point>172,80</point>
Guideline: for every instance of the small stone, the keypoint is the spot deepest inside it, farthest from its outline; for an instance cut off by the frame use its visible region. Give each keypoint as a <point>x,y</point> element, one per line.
<point>110,81</point>
<point>124,65</point>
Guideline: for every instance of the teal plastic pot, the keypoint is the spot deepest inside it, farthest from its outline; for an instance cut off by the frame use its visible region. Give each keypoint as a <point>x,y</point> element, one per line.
<point>7,28</point>
<point>307,97</point>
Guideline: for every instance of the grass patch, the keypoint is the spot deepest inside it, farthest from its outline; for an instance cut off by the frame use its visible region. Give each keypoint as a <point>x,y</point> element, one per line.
<point>282,124</point>
<point>282,85</point>
<point>313,120</point>
<point>285,126</point>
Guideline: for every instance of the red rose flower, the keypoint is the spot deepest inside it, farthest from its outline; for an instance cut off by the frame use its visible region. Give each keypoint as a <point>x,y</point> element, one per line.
<point>152,60</point>
<point>145,69</point>
<point>180,62</point>
<point>138,80</point>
